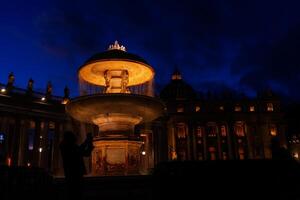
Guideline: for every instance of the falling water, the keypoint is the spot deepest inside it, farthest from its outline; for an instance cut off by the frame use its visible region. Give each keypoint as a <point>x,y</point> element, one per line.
<point>86,88</point>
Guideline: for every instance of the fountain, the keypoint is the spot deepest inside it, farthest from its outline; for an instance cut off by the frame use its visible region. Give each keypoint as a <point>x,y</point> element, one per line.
<point>115,94</point>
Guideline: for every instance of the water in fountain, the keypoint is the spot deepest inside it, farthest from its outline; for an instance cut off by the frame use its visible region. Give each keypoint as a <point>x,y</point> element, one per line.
<point>86,88</point>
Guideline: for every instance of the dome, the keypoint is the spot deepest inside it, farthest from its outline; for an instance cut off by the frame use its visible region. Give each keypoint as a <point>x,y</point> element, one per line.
<point>177,89</point>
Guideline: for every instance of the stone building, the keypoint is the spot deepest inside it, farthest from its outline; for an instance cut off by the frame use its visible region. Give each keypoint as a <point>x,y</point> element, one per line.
<point>195,127</point>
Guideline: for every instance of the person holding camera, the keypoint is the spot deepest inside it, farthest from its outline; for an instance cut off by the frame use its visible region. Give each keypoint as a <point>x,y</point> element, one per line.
<point>73,162</point>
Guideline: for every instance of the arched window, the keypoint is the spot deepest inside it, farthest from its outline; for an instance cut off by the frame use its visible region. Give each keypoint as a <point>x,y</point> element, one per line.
<point>252,108</point>
<point>238,108</point>
<point>199,132</point>
<point>181,130</point>
<point>270,107</point>
<point>180,108</point>
<point>223,131</point>
<point>197,108</point>
<point>211,129</point>
<point>239,129</point>
<point>212,153</point>
<point>241,153</point>
<point>273,130</point>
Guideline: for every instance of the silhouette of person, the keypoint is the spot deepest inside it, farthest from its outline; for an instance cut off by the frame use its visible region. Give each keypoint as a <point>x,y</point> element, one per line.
<point>279,152</point>
<point>73,163</point>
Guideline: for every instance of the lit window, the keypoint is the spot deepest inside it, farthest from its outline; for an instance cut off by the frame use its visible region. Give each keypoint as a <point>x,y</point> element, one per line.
<point>241,153</point>
<point>221,108</point>
<point>212,131</point>
<point>296,155</point>
<point>199,132</point>
<point>212,153</point>
<point>3,90</point>
<point>270,107</point>
<point>224,155</point>
<point>273,130</point>
<point>51,125</point>
<point>239,129</point>
<point>223,131</point>
<point>180,108</point>
<point>197,108</point>
<point>9,161</point>
<point>237,108</point>
<point>199,141</point>
<point>251,108</point>
<point>181,130</point>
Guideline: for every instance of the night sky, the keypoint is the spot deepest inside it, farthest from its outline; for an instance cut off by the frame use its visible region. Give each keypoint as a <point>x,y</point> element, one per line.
<point>217,45</point>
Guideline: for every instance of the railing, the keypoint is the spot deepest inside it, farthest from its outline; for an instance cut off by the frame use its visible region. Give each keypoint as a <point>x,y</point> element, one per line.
<point>35,94</point>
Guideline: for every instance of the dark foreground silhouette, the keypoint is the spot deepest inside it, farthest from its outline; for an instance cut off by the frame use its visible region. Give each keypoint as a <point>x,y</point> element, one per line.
<point>249,179</point>
<point>73,162</point>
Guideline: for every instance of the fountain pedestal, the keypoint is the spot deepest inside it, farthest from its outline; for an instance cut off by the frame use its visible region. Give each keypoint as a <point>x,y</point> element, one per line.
<point>116,157</point>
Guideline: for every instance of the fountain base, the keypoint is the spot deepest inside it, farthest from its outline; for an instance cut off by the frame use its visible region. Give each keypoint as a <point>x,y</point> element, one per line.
<point>116,157</point>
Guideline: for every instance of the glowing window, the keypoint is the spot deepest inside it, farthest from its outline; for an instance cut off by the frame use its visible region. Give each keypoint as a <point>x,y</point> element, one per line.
<point>296,155</point>
<point>251,108</point>
<point>221,108</point>
<point>270,107</point>
<point>199,132</point>
<point>212,131</point>
<point>212,153</point>
<point>237,108</point>
<point>223,131</point>
<point>51,125</point>
<point>273,130</point>
<point>224,155</point>
<point>197,108</point>
<point>181,130</point>
<point>239,129</point>
<point>241,153</point>
<point>180,108</point>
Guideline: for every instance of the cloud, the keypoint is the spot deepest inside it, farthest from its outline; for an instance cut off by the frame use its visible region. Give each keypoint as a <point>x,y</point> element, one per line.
<point>256,41</point>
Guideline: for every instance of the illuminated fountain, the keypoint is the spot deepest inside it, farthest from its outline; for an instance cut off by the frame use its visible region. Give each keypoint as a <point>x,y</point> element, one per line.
<point>115,94</point>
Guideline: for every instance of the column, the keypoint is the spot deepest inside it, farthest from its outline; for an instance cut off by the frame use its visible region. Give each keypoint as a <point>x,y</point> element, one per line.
<point>232,141</point>
<point>36,144</point>
<point>16,141</point>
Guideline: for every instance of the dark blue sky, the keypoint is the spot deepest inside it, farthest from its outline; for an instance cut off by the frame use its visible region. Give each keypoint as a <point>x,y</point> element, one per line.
<point>240,45</point>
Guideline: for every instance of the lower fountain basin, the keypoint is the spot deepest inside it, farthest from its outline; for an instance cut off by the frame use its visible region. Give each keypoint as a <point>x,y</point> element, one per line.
<point>89,108</point>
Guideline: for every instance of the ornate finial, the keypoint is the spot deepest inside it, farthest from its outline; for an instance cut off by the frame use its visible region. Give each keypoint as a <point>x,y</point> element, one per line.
<point>66,92</point>
<point>11,79</point>
<point>49,89</point>
<point>176,74</point>
<point>30,86</point>
<point>10,82</point>
<point>116,46</point>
